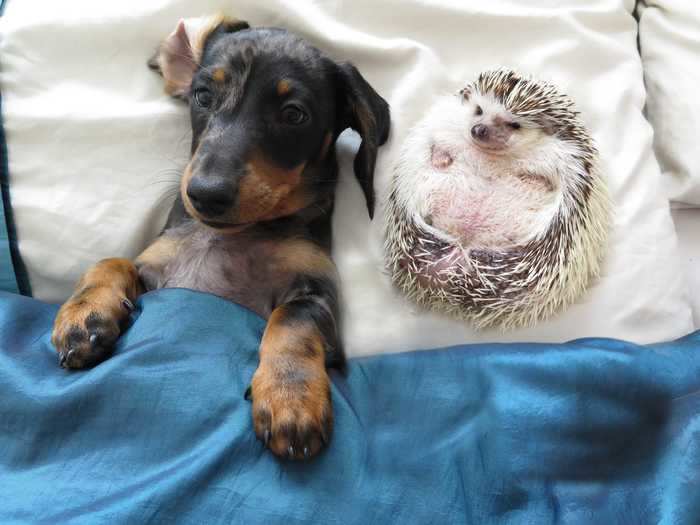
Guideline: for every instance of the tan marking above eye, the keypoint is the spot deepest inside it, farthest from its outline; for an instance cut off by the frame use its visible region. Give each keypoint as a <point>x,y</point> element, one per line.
<point>283,87</point>
<point>219,75</point>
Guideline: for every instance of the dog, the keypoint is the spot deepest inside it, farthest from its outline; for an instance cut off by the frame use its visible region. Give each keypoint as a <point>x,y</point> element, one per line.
<point>252,219</point>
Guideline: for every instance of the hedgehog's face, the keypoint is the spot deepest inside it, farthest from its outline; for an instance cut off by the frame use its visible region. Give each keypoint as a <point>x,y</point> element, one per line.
<point>493,129</point>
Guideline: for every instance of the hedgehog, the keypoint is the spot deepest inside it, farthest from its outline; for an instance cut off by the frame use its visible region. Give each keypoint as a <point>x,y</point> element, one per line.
<point>497,212</point>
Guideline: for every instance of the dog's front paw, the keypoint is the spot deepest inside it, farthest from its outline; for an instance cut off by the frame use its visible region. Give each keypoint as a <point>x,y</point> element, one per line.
<point>292,411</point>
<point>88,325</point>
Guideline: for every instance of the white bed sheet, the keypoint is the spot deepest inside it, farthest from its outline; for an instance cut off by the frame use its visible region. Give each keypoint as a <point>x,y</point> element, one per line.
<point>93,141</point>
<point>669,37</point>
<point>687,223</point>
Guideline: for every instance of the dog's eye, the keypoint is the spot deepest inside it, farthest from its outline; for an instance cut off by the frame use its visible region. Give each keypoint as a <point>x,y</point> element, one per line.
<point>203,97</point>
<point>514,125</point>
<point>479,111</point>
<point>294,115</point>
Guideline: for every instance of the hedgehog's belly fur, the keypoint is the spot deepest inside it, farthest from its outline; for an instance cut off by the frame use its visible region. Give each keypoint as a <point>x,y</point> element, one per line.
<point>487,209</point>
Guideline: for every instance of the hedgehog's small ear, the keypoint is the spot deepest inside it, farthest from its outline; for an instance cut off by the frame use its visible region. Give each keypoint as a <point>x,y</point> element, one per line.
<point>362,109</point>
<point>180,54</point>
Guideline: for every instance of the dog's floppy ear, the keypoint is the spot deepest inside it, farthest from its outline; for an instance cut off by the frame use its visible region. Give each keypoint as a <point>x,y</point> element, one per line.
<point>362,109</point>
<point>179,55</point>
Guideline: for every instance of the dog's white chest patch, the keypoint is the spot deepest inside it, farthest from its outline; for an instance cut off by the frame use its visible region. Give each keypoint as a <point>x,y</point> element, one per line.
<point>236,268</point>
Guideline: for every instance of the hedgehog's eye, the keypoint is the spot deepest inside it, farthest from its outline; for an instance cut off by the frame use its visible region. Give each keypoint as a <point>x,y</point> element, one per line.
<point>479,111</point>
<point>514,125</point>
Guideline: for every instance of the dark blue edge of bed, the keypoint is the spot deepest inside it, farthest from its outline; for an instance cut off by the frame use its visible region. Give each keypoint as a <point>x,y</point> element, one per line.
<point>13,274</point>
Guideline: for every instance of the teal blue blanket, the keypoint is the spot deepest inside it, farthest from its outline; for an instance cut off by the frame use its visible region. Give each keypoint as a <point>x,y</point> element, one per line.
<point>593,431</point>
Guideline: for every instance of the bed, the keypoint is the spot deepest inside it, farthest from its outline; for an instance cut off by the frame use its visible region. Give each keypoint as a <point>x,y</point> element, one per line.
<point>592,416</point>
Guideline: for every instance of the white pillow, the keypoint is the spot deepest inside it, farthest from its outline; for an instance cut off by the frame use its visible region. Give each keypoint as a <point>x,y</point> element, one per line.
<point>687,222</point>
<point>669,38</point>
<point>92,139</point>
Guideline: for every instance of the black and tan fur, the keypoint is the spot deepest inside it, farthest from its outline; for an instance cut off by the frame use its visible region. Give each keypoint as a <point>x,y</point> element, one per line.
<point>252,222</point>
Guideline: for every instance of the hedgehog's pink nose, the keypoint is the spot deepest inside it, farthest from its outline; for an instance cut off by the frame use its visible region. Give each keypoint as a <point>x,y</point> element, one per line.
<point>480,132</point>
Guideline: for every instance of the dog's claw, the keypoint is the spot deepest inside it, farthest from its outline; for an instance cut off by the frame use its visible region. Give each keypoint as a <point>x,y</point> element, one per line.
<point>93,340</point>
<point>128,305</point>
<point>266,437</point>
<point>306,452</point>
<point>248,393</point>
<point>64,357</point>
<point>290,451</point>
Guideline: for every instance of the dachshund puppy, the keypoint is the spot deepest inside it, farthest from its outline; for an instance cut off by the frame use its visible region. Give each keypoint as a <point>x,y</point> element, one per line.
<point>252,220</point>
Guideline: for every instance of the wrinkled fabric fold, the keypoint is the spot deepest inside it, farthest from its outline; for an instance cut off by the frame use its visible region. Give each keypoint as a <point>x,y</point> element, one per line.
<point>591,431</point>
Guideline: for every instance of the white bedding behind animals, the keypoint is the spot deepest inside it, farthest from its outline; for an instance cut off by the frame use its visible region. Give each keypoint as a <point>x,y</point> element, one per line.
<point>669,36</point>
<point>94,144</point>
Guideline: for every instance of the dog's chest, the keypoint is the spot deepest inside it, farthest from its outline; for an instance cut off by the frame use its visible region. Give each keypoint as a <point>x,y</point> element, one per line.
<point>239,268</point>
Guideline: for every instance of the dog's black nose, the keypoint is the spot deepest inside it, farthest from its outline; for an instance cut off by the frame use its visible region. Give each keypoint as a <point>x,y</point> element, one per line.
<point>210,196</point>
<point>480,132</point>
